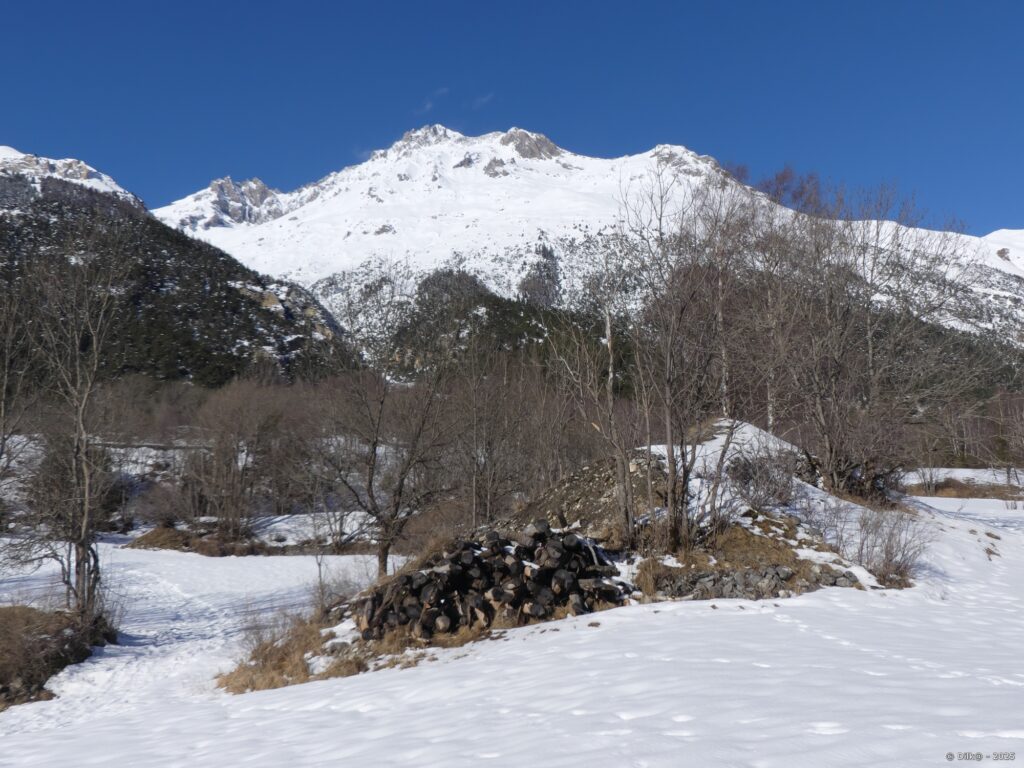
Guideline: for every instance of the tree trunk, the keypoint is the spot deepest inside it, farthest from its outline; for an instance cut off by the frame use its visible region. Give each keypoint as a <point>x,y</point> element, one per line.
<point>383,554</point>
<point>623,490</point>
<point>674,527</point>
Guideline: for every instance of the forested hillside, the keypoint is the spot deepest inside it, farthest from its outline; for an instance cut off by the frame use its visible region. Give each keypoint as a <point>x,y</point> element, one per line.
<point>185,310</point>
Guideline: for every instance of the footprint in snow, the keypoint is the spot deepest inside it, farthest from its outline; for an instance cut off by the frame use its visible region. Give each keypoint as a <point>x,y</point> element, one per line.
<point>688,735</point>
<point>827,729</point>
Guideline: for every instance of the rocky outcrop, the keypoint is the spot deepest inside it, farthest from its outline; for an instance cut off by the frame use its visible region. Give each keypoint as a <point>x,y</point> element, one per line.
<point>664,582</point>
<point>246,202</point>
<point>531,146</point>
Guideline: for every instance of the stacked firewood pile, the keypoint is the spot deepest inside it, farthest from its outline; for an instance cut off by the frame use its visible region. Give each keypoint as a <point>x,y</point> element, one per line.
<point>533,575</point>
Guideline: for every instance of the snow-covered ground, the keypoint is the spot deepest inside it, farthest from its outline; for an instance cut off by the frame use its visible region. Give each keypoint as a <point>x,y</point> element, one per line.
<point>838,677</point>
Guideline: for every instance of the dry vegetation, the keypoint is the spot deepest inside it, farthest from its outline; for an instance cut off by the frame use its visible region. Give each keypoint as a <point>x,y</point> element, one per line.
<point>211,545</point>
<point>951,488</point>
<point>277,655</point>
<point>280,655</point>
<point>34,646</point>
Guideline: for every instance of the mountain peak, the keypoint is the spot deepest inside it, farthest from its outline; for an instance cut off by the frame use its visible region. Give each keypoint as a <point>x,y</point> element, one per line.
<point>529,145</point>
<point>429,134</point>
<point>254,189</point>
<point>432,192</point>
<point>10,153</point>
<point>226,203</point>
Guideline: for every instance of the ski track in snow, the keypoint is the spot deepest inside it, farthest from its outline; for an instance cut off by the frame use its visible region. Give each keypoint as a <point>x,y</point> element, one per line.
<point>838,677</point>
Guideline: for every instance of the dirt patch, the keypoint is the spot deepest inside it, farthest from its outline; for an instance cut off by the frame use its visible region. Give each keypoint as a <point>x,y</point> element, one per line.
<point>164,538</point>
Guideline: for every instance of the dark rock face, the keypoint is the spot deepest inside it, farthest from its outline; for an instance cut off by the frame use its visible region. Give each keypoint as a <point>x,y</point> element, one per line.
<point>495,168</point>
<point>248,202</point>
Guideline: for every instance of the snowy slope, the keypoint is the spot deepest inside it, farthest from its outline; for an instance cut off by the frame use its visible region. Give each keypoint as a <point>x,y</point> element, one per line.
<point>838,677</point>
<point>36,168</point>
<point>1006,245</point>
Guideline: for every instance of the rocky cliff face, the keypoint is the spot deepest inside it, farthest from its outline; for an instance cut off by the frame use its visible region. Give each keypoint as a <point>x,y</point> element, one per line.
<point>228,202</point>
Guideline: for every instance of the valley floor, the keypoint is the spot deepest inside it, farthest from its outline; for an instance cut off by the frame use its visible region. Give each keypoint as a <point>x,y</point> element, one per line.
<point>839,677</point>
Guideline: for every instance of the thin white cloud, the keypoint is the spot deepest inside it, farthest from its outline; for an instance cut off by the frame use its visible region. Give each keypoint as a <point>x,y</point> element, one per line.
<point>431,100</point>
<point>482,101</point>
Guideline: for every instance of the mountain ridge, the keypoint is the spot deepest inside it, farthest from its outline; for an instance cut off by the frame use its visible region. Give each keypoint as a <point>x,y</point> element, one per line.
<point>35,168</point>
<point>437,197</point>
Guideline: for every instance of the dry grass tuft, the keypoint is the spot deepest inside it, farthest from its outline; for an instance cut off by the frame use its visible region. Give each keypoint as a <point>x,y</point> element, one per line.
<point>277,657</point>
<point>951,488</point>
<point>187,541</point>
<point>737,548</point>
<point>34,646</point>
<point>164,538</point>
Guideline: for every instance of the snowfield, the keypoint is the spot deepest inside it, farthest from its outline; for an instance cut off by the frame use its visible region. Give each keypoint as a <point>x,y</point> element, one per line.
<point>839,677</point>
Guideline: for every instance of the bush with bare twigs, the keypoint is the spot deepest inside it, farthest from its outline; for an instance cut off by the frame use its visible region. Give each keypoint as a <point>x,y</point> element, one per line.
<point>891,543</point>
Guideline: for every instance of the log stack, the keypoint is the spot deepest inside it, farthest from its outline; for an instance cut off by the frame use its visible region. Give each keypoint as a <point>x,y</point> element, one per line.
<point>533,575</point>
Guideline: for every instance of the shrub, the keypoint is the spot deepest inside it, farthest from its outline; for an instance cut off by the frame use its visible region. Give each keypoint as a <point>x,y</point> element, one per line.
<point>891,544</point>
<point>763,479</point>
<point>276,654</point>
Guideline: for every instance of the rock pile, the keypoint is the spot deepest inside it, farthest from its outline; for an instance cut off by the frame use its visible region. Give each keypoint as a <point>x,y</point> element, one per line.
<point>533,575</point>
<point>746,583</point>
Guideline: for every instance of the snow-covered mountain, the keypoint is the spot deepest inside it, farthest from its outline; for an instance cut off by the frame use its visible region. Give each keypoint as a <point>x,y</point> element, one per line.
<point>35,168</point>
<point>436,193</point>
<point>433,194</point>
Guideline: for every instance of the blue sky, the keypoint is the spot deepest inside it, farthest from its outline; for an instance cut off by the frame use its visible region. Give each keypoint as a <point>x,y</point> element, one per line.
<point>165,97</point>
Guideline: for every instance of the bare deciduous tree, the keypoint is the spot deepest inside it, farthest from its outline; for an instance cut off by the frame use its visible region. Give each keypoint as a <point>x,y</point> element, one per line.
<point>391,416</point>
<point>75,291</point>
